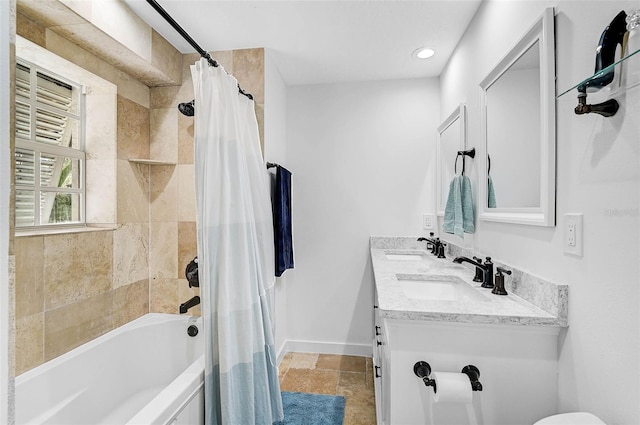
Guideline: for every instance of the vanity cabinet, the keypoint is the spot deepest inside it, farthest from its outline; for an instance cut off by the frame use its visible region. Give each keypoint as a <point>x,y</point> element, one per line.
<point>429,309</point>
<point>518,371</point>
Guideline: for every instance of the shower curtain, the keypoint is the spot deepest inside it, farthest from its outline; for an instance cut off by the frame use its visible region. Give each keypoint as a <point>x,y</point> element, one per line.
<point>235,254</point>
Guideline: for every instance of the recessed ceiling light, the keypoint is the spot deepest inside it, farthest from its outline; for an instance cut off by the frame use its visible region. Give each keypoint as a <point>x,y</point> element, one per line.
<point>423,53</point>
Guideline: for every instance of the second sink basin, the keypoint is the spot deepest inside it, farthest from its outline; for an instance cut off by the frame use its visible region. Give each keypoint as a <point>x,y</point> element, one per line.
<point>437,288</point>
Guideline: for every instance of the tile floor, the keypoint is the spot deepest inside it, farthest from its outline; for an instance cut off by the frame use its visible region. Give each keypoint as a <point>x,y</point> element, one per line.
<point>350,376</point>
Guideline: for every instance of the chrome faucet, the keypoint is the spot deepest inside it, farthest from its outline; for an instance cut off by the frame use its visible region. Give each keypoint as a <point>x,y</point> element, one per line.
<point>487,269</point>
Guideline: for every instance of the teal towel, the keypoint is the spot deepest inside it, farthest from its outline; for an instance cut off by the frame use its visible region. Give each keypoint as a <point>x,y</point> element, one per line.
<point>492,194</point>
<point>458,213</point>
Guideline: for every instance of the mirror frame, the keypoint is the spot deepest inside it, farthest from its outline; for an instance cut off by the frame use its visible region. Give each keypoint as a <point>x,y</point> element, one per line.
<point>543,32</point>
<point>460,113</point>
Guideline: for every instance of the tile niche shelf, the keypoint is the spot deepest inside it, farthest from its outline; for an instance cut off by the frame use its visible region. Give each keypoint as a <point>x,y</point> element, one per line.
<point>632,59</point>
<point>151,161</point>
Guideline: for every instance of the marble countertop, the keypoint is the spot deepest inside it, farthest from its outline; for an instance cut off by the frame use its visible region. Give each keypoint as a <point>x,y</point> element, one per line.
<point>482,307</point>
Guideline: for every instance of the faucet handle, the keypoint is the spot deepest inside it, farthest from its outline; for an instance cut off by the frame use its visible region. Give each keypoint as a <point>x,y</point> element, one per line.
<point>499,288</point>
<point>501,270</point>
<point>478,277</point>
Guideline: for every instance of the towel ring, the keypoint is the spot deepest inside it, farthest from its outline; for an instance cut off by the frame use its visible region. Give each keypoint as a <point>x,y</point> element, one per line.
<point>471,153</point>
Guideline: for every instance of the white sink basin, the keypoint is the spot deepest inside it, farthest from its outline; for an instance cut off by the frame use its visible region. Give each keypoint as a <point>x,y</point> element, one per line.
<point>437,288</point>
<point>404,255</point>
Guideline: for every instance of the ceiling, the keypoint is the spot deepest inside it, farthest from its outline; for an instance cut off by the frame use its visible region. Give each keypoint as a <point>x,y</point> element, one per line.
<point>315,42</point>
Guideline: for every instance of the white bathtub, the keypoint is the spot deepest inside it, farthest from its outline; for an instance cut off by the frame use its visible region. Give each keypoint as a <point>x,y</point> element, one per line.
<point>148,371</point>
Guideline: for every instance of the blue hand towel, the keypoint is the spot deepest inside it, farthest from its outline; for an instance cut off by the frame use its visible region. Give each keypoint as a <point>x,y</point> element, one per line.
<point>458,213</point>
<point>283,238</point>
<point>492,194</point>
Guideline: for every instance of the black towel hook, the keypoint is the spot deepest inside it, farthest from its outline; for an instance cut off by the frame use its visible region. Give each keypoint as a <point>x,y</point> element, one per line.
<point>470,153</point>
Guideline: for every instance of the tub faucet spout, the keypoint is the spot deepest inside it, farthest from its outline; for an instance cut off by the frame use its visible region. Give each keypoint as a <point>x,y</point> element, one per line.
<point>185,306</point>
<point>486,268</point>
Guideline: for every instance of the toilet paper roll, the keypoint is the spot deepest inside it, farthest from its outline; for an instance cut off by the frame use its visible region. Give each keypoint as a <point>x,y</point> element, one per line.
<point>452,388</point>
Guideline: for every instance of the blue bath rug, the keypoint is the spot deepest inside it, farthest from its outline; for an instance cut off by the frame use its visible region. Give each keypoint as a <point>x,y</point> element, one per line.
<point>312,409</point>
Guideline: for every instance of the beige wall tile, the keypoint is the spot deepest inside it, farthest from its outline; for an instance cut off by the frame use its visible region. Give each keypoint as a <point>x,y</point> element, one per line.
<point>163,295</point>
<point>226,59</point>
<point>77,266</point>
<point>48,12</point>
<point>186,193</point>
<point>133,192</point>
<point>101,191</point>
<point>165,97</point>
<point>163,251</point>
<point>187,245</point>
<point>130,302</point>
<point>30,30</point>
<point>188,60</point>
<point>133,129</point>
<point>164,134</point>
<point>164,193</point>
<point>122,24</point>
<point>72,325</point>
<point>101,128</point>
<point>128,86</point>
<point>130,254</point>
<point>248,68</point>
<point>166,58</point>
<point>29,342</point>
<point>185,139</point>
<point>29,295</point>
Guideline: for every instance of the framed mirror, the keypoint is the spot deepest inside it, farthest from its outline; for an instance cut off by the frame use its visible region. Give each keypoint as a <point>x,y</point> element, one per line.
<point>452,137</point>
<point>519,131</point>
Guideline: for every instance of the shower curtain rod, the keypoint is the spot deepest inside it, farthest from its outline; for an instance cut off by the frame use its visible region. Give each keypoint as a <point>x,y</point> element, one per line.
<point>189,39</point>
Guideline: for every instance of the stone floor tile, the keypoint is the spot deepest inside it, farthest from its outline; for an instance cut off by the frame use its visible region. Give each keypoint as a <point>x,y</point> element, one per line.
<point>329,361</point>
<point>303,361</point>
<point>310,381</point>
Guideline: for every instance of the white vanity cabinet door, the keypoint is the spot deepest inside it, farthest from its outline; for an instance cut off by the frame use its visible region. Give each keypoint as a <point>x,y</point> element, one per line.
<point>381,370</point>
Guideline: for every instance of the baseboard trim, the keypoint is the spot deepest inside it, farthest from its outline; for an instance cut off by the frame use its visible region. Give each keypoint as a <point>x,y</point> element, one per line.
<point>298,346</point>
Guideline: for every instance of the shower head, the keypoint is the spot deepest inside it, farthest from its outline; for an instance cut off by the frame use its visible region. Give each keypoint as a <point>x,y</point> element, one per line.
<point>187,108</point>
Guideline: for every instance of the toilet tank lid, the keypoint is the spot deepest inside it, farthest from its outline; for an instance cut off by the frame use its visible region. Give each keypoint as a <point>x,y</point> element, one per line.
<point>575,418</point>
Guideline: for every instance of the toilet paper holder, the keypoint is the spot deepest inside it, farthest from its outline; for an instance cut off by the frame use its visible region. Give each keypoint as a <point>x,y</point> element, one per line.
<point>422,370</point>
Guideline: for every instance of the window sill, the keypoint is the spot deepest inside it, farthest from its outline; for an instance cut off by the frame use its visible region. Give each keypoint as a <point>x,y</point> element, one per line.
<point>43,232</point>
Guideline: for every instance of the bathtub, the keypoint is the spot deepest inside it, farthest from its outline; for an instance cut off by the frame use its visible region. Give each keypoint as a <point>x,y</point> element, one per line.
<point>148,371</point>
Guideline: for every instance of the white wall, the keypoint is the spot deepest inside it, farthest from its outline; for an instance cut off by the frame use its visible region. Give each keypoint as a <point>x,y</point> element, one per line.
<point>598,175</point>
<point>363,163</point>
<point>275,138</point>
<point>6,38</point>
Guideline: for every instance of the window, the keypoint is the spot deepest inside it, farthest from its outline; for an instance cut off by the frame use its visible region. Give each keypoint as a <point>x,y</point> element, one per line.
<point>50,151</point>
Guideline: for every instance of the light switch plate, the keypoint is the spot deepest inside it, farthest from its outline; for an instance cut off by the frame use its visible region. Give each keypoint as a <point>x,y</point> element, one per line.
<point>573,234</point>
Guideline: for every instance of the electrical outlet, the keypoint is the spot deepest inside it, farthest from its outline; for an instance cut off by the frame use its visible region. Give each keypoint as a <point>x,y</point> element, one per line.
<point>427,221</point>
<point>573,234</point>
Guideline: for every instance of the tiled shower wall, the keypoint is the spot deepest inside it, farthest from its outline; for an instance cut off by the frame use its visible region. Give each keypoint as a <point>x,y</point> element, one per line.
<point>72,288</point>
<point>172,209</point>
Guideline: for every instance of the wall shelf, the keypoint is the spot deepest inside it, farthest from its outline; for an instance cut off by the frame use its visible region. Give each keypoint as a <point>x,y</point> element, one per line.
<point>610,68</point>
<point>150,161</point>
